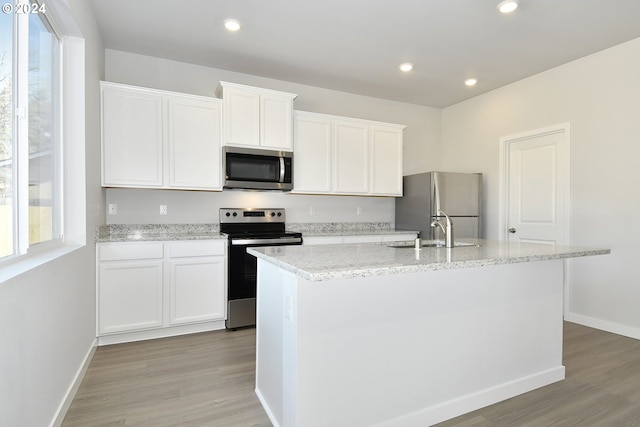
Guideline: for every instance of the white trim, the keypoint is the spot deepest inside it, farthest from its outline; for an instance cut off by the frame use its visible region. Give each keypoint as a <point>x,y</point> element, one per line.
<point>603,325</point>
<point>17,266</point>
<point>74,386</point>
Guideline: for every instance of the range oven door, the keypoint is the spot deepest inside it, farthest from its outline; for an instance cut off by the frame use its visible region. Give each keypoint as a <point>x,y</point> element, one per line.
<point>242,279</point>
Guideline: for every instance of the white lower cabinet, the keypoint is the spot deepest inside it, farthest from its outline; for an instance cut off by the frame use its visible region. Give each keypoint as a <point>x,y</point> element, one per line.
<point>198,286</point>
<point>151,290</point>
<point>130,295</point>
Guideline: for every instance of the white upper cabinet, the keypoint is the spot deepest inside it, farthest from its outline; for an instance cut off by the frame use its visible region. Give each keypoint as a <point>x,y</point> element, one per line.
<point>386,160</point>
<point>341,155</point>
<point>350,157</point>
<point>132,137</point>
<point>255,117</point>
<point>159,139</point>
<point>312,153</point>
<point>193,130</point>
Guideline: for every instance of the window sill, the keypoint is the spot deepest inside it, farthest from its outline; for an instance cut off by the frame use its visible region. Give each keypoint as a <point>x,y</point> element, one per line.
<point>23,264</point>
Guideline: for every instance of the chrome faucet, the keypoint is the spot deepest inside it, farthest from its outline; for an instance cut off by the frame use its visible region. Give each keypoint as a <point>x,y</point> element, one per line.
<point>447,229</point>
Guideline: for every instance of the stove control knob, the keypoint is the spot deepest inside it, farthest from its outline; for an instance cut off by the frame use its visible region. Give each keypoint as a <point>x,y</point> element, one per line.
<point>273,214</point>
<point>279,213</point>
<point>228,214</point>
<point>235,214</point>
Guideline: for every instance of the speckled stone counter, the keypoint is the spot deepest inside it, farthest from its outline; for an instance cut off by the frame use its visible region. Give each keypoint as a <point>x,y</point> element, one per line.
<point>312,229</point>
<point>329,262</point>
<point>157,232</point>
<point>461,329</point>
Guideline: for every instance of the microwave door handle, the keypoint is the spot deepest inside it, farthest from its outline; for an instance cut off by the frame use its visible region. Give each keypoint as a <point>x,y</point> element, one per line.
<point>281,169</point>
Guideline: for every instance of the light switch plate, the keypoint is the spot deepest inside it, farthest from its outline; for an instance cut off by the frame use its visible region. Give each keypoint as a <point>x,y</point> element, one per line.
<point>113,209</point>
<point>163,209</point>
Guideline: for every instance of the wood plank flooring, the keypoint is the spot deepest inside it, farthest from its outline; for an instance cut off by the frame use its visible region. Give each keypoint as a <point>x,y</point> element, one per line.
<point>207,380</point>
<point>204,379</point>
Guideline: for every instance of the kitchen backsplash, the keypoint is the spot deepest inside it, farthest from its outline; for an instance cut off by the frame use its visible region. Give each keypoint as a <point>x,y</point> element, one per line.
<point>141,206</point>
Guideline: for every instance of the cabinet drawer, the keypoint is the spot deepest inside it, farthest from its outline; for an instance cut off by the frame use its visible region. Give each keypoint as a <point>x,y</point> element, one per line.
<point>197,248</point>
<point>129,251</point>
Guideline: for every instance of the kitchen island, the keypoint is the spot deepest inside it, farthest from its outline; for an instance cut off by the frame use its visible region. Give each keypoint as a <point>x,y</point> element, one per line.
<point>381,334</point>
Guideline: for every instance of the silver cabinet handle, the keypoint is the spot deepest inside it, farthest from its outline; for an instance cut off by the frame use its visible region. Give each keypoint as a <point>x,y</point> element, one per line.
<point>512,230</point>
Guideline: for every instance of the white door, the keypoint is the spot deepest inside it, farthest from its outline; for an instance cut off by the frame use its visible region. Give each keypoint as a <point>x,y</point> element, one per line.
<point>350,157</point>
<point>312,141</point>
<point>132,137</point>
<point>197,289</point>
<point>386,160</point>
<point>194,134</point>
<point>276,122</point>
<point>535,181</point>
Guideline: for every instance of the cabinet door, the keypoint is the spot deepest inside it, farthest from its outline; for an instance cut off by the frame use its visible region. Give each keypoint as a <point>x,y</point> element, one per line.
<point>129,296</point>
<point>276,123</point>
<point>194,134</point>
<point>198,289</point>
<point>312,154</point>
<point>386,161</point>
<point>241,117</point>
<point>131,138</point>
<point>351,157</point>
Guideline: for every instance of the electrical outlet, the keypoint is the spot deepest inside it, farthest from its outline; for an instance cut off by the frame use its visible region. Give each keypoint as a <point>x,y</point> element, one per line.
<point>163,209</point>
<point>312,211</point>
<point>113,209</point>
<point>358,211</point>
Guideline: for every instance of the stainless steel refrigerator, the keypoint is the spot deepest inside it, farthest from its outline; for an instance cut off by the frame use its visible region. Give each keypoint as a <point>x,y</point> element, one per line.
<point>459,195</point>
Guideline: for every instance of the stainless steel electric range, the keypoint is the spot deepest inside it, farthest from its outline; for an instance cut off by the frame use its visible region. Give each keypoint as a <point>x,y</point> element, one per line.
<point>246,228</point>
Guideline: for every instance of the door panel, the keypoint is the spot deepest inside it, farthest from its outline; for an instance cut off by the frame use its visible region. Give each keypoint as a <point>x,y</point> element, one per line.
<point>537,188</point>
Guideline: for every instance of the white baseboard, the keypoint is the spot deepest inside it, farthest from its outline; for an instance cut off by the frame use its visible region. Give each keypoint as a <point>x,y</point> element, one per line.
<point>267,408</point>
<point>151,334</point>
<point>481,399</point>
<point>74,386</point>
<point>603,325</point>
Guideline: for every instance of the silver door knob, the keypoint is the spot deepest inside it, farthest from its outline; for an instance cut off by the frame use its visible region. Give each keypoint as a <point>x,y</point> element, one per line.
<point>512,230</point>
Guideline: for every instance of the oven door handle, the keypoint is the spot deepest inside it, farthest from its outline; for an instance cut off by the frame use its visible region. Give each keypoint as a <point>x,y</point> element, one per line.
<point>239,242</point>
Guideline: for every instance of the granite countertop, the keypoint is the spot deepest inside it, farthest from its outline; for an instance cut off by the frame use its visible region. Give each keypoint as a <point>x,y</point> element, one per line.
<point>160,232</point>
<point>157,232</point>
<point>327,262</point>
<point>345,229</point>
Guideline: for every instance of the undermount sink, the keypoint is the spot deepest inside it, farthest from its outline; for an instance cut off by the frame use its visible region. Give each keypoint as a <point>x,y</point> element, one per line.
<point>432,244</point>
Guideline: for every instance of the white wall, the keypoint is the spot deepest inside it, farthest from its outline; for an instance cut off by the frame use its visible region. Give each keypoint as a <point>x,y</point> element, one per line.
<point>47,316</point>
<point>143,206</point>
<point>421,145</point>
<point>599,96</point>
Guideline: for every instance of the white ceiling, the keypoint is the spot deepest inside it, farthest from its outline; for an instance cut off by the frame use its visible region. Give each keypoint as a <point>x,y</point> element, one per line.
<point>356,45</point>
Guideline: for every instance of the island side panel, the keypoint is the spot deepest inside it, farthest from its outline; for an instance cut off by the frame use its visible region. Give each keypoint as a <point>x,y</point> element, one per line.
<point>276,338</point>
<point>415,349</point>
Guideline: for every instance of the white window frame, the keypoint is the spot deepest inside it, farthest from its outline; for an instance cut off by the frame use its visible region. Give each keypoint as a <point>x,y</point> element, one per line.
<point>71,191</point>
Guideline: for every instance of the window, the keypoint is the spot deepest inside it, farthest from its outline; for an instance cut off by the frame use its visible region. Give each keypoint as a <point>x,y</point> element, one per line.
<point>30,129</point>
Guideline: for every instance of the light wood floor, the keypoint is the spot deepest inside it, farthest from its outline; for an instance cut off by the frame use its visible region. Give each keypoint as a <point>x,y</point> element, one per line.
<point>208,380</point>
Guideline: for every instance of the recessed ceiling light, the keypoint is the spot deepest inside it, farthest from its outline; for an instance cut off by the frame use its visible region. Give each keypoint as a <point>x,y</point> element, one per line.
<point>406,67</point>
<point>471,82</point>
<point>231,24</point>
<point>508,6</point>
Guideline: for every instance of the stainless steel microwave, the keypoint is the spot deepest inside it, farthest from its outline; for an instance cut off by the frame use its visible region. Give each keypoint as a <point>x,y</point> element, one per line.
<point>255,169</point>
